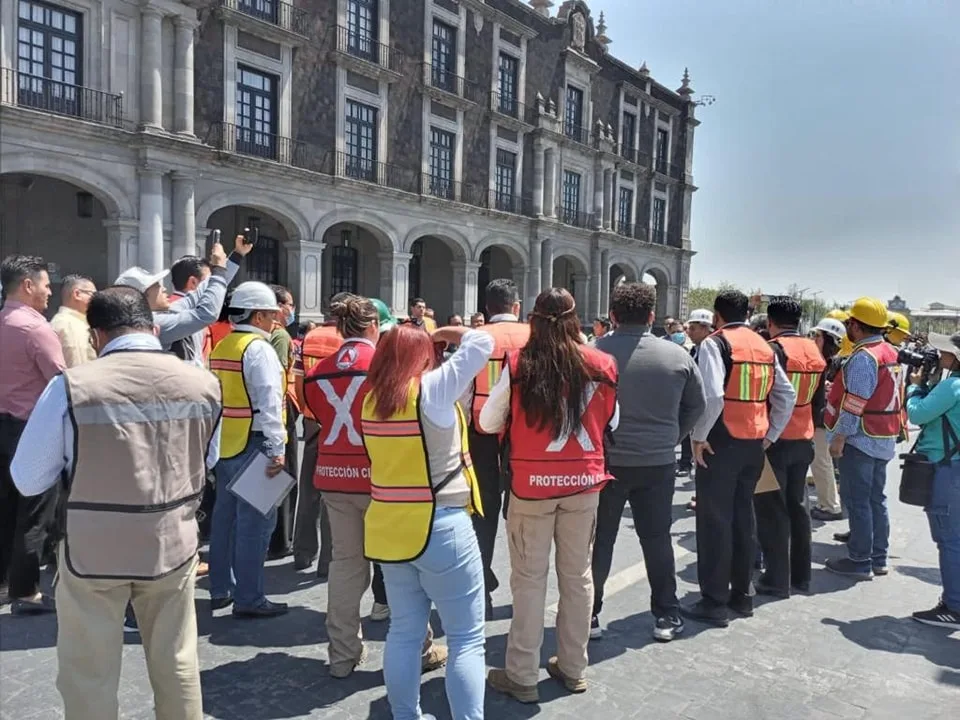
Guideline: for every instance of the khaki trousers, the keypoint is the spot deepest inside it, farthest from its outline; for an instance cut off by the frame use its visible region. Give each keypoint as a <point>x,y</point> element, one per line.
<point>90,643</point>
<point>349,575</point>
<point>823,477</point>
<point>532,527</point>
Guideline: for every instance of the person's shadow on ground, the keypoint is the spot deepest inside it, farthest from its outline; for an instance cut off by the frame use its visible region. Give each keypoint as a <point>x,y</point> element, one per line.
<point>904,636</point>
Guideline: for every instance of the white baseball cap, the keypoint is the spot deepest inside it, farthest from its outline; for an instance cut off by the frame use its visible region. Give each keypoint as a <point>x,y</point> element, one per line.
<point>704,317</point>
<point>140,279</point>
<point>832,327</point>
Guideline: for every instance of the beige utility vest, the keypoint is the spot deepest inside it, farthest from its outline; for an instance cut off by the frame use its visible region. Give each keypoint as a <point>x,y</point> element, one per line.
<point>143,423</point>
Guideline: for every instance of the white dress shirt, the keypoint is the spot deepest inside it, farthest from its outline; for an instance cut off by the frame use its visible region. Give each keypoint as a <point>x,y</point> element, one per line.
<point>262,376</point>
<point>46,447</point>
<point>496,411</point>
<point>442,387</point>
<point>781,401</point>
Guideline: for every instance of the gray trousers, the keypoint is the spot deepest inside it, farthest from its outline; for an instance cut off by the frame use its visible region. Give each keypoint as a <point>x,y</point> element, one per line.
<point>310,508</point>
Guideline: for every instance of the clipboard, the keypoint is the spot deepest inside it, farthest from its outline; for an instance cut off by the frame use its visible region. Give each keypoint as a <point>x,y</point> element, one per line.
<point>254,487</point>
<point>768,480</point>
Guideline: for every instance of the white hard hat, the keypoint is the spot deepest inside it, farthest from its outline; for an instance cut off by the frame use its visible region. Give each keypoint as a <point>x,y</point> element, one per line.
<point>704,317</point>
<point>832,327</point>
<point>140,279</point>
<point>253,296</point>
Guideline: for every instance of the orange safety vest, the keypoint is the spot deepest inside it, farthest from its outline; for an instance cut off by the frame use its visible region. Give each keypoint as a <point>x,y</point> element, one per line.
<point>318,344</point>
<point>218,331</point>
<point>805,366</point>
<point>880,414</point>
<point>752,368</point>
<point>508,337</point>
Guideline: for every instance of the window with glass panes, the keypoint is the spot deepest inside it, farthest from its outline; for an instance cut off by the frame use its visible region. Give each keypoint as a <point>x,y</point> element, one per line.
<point>362,27</point>
<point>573,112</point>
<point>416,264</point>
<point>49,58</point>
<point>441,163</point>
<point>263,9</point>
<point>256,112</point>
<point>444,56</point>
<point>663,149</point>
<point>505,178</point>
<point>360,141</point>
<point>344,270</point>
<point>625,209</point>
<point>629,132</point>
<point>659,219</point>
<point>509,70</point>
<point>571,196</point>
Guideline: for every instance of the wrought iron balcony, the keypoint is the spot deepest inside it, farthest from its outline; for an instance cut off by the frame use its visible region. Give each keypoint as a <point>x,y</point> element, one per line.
<point>658,236</point>
<point>506,202</point>
<point>363,46</point>
<point>439,187</point>
<point>635,155</point>
<point>378,173</point>
<point>630,230</point>
<point>572,216</point>
<point>667,168</point>
<point>508,105</point>
<point>60,98</point>
<point>274,12</point>
<point>442,78</point>
<point>231,138</point>
<point>577,133</point>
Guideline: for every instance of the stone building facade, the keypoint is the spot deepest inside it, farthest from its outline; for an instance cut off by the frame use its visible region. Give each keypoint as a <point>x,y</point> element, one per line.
<point>396,148</point>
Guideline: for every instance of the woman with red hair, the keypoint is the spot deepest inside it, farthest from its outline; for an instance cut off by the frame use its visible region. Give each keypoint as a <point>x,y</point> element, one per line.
<point>418,526</point>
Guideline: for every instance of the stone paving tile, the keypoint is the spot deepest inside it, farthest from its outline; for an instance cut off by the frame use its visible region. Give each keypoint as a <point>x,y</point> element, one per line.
<point>845,651</point>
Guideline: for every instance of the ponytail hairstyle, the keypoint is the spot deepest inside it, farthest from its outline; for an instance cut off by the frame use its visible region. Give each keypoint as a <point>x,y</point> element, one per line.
<point>552,375</point>
<point>354,314</point>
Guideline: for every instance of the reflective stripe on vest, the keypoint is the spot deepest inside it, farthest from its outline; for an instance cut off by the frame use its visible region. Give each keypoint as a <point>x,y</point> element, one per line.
<point>880,414</point>
<point>542,467</point>
<point>752,372</point>
<point>805,366</point>
<point>507,337</point>
<point>399,520</point>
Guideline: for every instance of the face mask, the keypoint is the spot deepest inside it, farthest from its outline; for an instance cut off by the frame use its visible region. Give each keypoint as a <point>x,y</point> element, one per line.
<point>679,338</point>
<point>289,316</point>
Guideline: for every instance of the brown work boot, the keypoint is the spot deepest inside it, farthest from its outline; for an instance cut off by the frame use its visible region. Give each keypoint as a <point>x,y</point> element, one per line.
<point>344,668</point>
<point>434,658</point>
<point>574,685</point>
<point>501,682</point>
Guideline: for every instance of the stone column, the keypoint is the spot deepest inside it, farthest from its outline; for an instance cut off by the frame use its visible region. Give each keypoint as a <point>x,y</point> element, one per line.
<point>201,235</point>
<point>538,179</point>
<point>122,237</point>
<point>305,277</point>
<point>534,275</point>
<point>580,282</point>
<point>184,216</point>
<point>150,249</point>
<point>546,265</point>
<point>609,199</point>
<point>520,273</point>
<point>605,282</point>
<point>550,182</point>
<point>465,287</point>
<point>394,276</point>
<point>183,77</point>
<point>596,282</point>
<point>599,211</point>
<point>151,72</point>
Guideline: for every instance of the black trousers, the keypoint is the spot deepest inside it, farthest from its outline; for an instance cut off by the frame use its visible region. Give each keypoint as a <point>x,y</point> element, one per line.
<point>309,508</point>
<point>783,518</point>
<point>379,588</point>
<point>27,524</point>
<point>726,540</point>
<point>649,490</point>
<point>281,542</point>
<point>485,452</point>
<point>686,454</point>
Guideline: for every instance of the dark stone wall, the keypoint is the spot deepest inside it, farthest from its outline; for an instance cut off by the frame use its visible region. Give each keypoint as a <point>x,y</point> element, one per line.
<point>208,76</point>
<point>405,144</point>
<point>478,73</point>
<point>314,104</point>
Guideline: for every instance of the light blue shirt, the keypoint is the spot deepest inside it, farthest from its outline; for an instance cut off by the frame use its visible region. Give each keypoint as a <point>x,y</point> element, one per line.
<point>925,407</point>
<point>45,449</point>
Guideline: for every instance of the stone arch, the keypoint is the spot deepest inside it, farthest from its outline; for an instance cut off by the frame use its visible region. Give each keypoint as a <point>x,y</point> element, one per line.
<point>629,268</point>
<point>292,220</point>
<point>580,255</point>
<point>380,228</point>
<point>664,282</point>
<point>114,198</point>
<point>457,242</point>
<point>659,271</point>
<point>513,248</point>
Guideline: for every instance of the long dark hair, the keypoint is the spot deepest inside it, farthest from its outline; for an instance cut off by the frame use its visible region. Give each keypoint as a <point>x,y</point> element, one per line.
<point>552,374</point>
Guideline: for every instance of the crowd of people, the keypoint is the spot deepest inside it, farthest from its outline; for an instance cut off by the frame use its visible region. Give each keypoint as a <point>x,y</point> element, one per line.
<point>417,440</point>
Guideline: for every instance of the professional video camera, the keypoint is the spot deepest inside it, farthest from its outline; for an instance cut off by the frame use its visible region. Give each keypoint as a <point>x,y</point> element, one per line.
<point>920,355</point>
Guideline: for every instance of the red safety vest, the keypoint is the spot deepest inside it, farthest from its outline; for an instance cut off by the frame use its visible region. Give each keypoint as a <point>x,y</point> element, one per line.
<point>880,414</point>
<point>749,382</point>
<point>508,337</point>
<point>544,468</point>
<point>335,389</point>
<point>318,344</point>
<point>805,366</point>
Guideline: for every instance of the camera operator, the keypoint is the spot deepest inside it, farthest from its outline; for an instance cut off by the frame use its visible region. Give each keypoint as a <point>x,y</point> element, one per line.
<point>936,409</point>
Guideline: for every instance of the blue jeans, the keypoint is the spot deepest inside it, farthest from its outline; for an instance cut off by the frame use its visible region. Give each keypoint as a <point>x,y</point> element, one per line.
<point>239,537</point>
<point>944,516</point>
<point>449,573</point>
<point>863,480</point>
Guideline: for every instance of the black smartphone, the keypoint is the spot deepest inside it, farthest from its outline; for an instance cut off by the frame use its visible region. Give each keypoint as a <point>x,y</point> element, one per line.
<point>251,235</point>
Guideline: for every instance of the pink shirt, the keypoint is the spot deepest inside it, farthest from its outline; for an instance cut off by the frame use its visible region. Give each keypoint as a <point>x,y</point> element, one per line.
<point>30,354</point>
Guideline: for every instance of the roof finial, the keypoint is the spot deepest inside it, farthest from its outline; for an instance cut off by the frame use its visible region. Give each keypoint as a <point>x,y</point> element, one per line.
<point>644,70</point>
<point>602,32</point>
<point>685,88</point>
<point>542,7</point>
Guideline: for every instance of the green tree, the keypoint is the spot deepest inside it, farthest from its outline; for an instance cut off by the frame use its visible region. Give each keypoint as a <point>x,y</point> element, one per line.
<point>702,297</point>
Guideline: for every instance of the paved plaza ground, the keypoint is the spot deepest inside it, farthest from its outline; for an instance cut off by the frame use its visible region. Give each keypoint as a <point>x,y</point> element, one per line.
<point>845,651</point>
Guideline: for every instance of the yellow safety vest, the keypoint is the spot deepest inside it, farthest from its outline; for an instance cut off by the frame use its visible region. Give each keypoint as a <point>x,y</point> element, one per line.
<point>399,519</point>
<point>226,362</point>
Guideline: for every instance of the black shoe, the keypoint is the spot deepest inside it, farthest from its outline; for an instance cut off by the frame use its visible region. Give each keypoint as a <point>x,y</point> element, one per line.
<point>741,605</point>
<point>323,571</point>
<point>765,588</point>
<point>43,606</point>
<point>596,632</point>
<point>667,628</point>
<point>489,608</point>
<point>705,612</point>
<point>825,515</point>
<point>940,616</point>
<point>848,568</point>
<point>842,537</point>
<point>264,610</point>
<point>801,587</point>
<point>683,470</point>
<point>301,563</point>
<point>221,603</point>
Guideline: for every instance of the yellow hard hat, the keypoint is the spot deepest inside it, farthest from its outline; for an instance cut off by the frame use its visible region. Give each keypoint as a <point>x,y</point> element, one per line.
<point>870,312</point>
<point>841,315</point>
<point>899,325</point>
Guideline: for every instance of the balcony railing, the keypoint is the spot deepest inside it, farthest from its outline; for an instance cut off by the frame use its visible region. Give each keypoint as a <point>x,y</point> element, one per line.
<point>635,155</point>
<point>630,230</point>
<point>228,137</point>
<point>444,79</point>
<point>59,98</point>
<point>363,46</point>
<point>577,133</point>
<point>378,173</point>
<point>667,168</point>
<point>508,105</point>
<point>571,216</point>
<point>439,187</point>
<point>506,202</point>
<point>282,14</point>
<point>658,236</point>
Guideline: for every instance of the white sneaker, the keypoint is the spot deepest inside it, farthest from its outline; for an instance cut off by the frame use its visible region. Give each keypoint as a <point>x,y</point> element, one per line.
<point>379,612</point>
<point>428,716</point>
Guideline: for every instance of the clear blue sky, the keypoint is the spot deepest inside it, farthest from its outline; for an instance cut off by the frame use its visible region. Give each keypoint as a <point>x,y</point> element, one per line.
<point>831,158</point>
